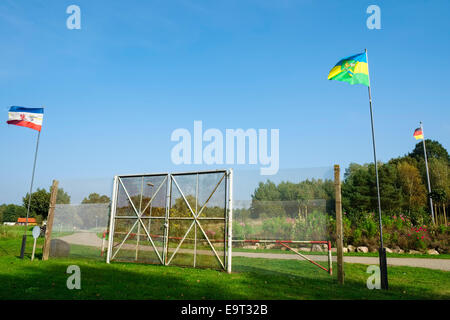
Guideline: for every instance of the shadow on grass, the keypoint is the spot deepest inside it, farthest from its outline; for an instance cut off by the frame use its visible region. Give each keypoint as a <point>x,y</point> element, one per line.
<point>47,280</point>
<point>314,283</point>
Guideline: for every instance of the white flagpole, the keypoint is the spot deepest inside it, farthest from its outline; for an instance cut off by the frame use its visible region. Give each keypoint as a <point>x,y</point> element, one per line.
<point>428,175</point>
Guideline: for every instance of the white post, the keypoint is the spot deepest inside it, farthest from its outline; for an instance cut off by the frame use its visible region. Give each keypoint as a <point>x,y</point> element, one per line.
<point>111,221</point>
<point>34,249</point>
<point>230,220</point>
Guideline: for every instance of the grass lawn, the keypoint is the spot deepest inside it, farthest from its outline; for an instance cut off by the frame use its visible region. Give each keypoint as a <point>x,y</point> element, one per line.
<point>251,279</point>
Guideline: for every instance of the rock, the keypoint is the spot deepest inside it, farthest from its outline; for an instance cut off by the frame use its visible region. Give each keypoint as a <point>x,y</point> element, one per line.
<point>388,250</point>
<point>432,251</point>
<point>373,249</point>
<point>362,249</point>
<point>304,249</point>
<point>344,250</point>
<point>316,248</point>
<point>397,249</point>
<point>257,244</point>
<point>414,252</point>
<point>250,247</point>
<point>351,248</point>
<point>283,248</point>
<point>270,246</point>
<point>59,248</point>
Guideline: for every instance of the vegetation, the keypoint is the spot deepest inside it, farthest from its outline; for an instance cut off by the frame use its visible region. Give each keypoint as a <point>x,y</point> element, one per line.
<point>96,198</point>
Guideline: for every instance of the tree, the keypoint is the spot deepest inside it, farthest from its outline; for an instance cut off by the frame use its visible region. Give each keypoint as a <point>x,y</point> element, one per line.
<point>96,198</point>
<point>11,212</point>
<point>412,186</point>
<point>40,200</point>
<point>61,196</point>
<point>434,151</point>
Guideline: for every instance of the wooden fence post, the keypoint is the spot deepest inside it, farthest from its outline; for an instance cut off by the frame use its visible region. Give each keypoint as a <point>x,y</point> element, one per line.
<point>49,226</point>
<point>339,232</point>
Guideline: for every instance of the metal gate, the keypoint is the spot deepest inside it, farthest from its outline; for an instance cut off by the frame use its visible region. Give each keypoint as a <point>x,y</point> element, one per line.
<point>172,218</point>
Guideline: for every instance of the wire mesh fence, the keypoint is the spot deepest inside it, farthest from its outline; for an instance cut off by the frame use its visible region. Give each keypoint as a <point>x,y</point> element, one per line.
<point>293,205</point>
<point>182,218</point>
<point>80,219</point>
<point>170,219</point>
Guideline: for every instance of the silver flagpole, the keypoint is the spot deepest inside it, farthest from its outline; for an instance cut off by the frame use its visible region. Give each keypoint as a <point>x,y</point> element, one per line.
<point>428,175</point>
<point>382,251</point>
<point>24,238</point>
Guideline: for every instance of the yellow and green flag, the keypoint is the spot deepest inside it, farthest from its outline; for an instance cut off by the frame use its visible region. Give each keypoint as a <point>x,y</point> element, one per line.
<point>352,69</point>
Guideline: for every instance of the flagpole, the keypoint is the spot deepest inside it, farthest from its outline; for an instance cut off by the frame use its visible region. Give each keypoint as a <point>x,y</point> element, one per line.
<point>428,175</point>
<point>382,251</point>
<point>24,238</point>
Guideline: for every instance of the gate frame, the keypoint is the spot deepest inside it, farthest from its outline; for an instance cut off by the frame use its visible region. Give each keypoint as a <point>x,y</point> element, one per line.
<point>169,179</point>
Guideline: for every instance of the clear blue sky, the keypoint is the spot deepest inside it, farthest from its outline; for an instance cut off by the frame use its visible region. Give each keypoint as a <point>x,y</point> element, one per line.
<point>137,70</point>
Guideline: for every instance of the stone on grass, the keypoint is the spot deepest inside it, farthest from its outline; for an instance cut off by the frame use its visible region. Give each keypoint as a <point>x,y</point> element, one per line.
<point>250,247</point>
<point>270,246</point>
<point>362,249</point>
<point>344,250</point>
<point>351,248</point>
<point>306,249</point>
<point>316,248</point>
<point>414,252</point>
<point>432,251</point>
<point>388,250</point>
<point>59,248</point>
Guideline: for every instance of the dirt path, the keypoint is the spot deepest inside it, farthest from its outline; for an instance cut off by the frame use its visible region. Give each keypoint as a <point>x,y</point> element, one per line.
<point>91,239</point>
<point>439,264</point>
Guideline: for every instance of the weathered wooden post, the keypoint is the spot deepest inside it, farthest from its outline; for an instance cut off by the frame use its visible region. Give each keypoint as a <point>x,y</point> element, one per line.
<point>48,229</point>
<point>339,232</point>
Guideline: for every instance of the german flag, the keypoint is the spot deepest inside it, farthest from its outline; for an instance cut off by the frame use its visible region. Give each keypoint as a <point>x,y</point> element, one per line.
<point>418,134</point>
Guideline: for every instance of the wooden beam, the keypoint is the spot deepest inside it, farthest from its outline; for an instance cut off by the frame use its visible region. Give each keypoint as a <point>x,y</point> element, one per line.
<point>339,232</point>
<point>51,212</point>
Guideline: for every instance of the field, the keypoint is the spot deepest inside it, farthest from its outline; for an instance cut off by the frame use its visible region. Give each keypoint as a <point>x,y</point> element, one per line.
<point>251,279</point>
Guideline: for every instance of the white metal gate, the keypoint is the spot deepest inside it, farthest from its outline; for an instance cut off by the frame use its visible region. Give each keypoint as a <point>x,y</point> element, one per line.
<point>172,218</point>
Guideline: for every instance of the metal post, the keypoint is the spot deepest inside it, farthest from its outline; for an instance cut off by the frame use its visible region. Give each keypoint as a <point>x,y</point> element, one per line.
<point>140,213</point>
<point>166,220</point>
<point>195,226</point>
<point>24,238</point>
<point>428,175</point>
<point>230,220</point>
<point>383,264</point>
<point>111,221</point>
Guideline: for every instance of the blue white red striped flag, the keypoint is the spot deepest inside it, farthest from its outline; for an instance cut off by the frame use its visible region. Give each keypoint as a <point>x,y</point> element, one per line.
<point>26,117</point>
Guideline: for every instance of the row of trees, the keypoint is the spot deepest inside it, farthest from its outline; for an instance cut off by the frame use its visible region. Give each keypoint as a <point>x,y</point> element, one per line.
<point>402,185</point>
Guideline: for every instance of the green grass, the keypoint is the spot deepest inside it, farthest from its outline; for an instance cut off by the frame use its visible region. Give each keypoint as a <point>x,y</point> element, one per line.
<point>251,279</point>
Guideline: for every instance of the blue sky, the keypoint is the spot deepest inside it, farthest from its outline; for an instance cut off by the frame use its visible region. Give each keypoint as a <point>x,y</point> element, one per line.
<point>115,90</point>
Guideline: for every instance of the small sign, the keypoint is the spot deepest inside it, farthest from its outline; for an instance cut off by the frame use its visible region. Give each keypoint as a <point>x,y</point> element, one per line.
<point>36,232</point>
